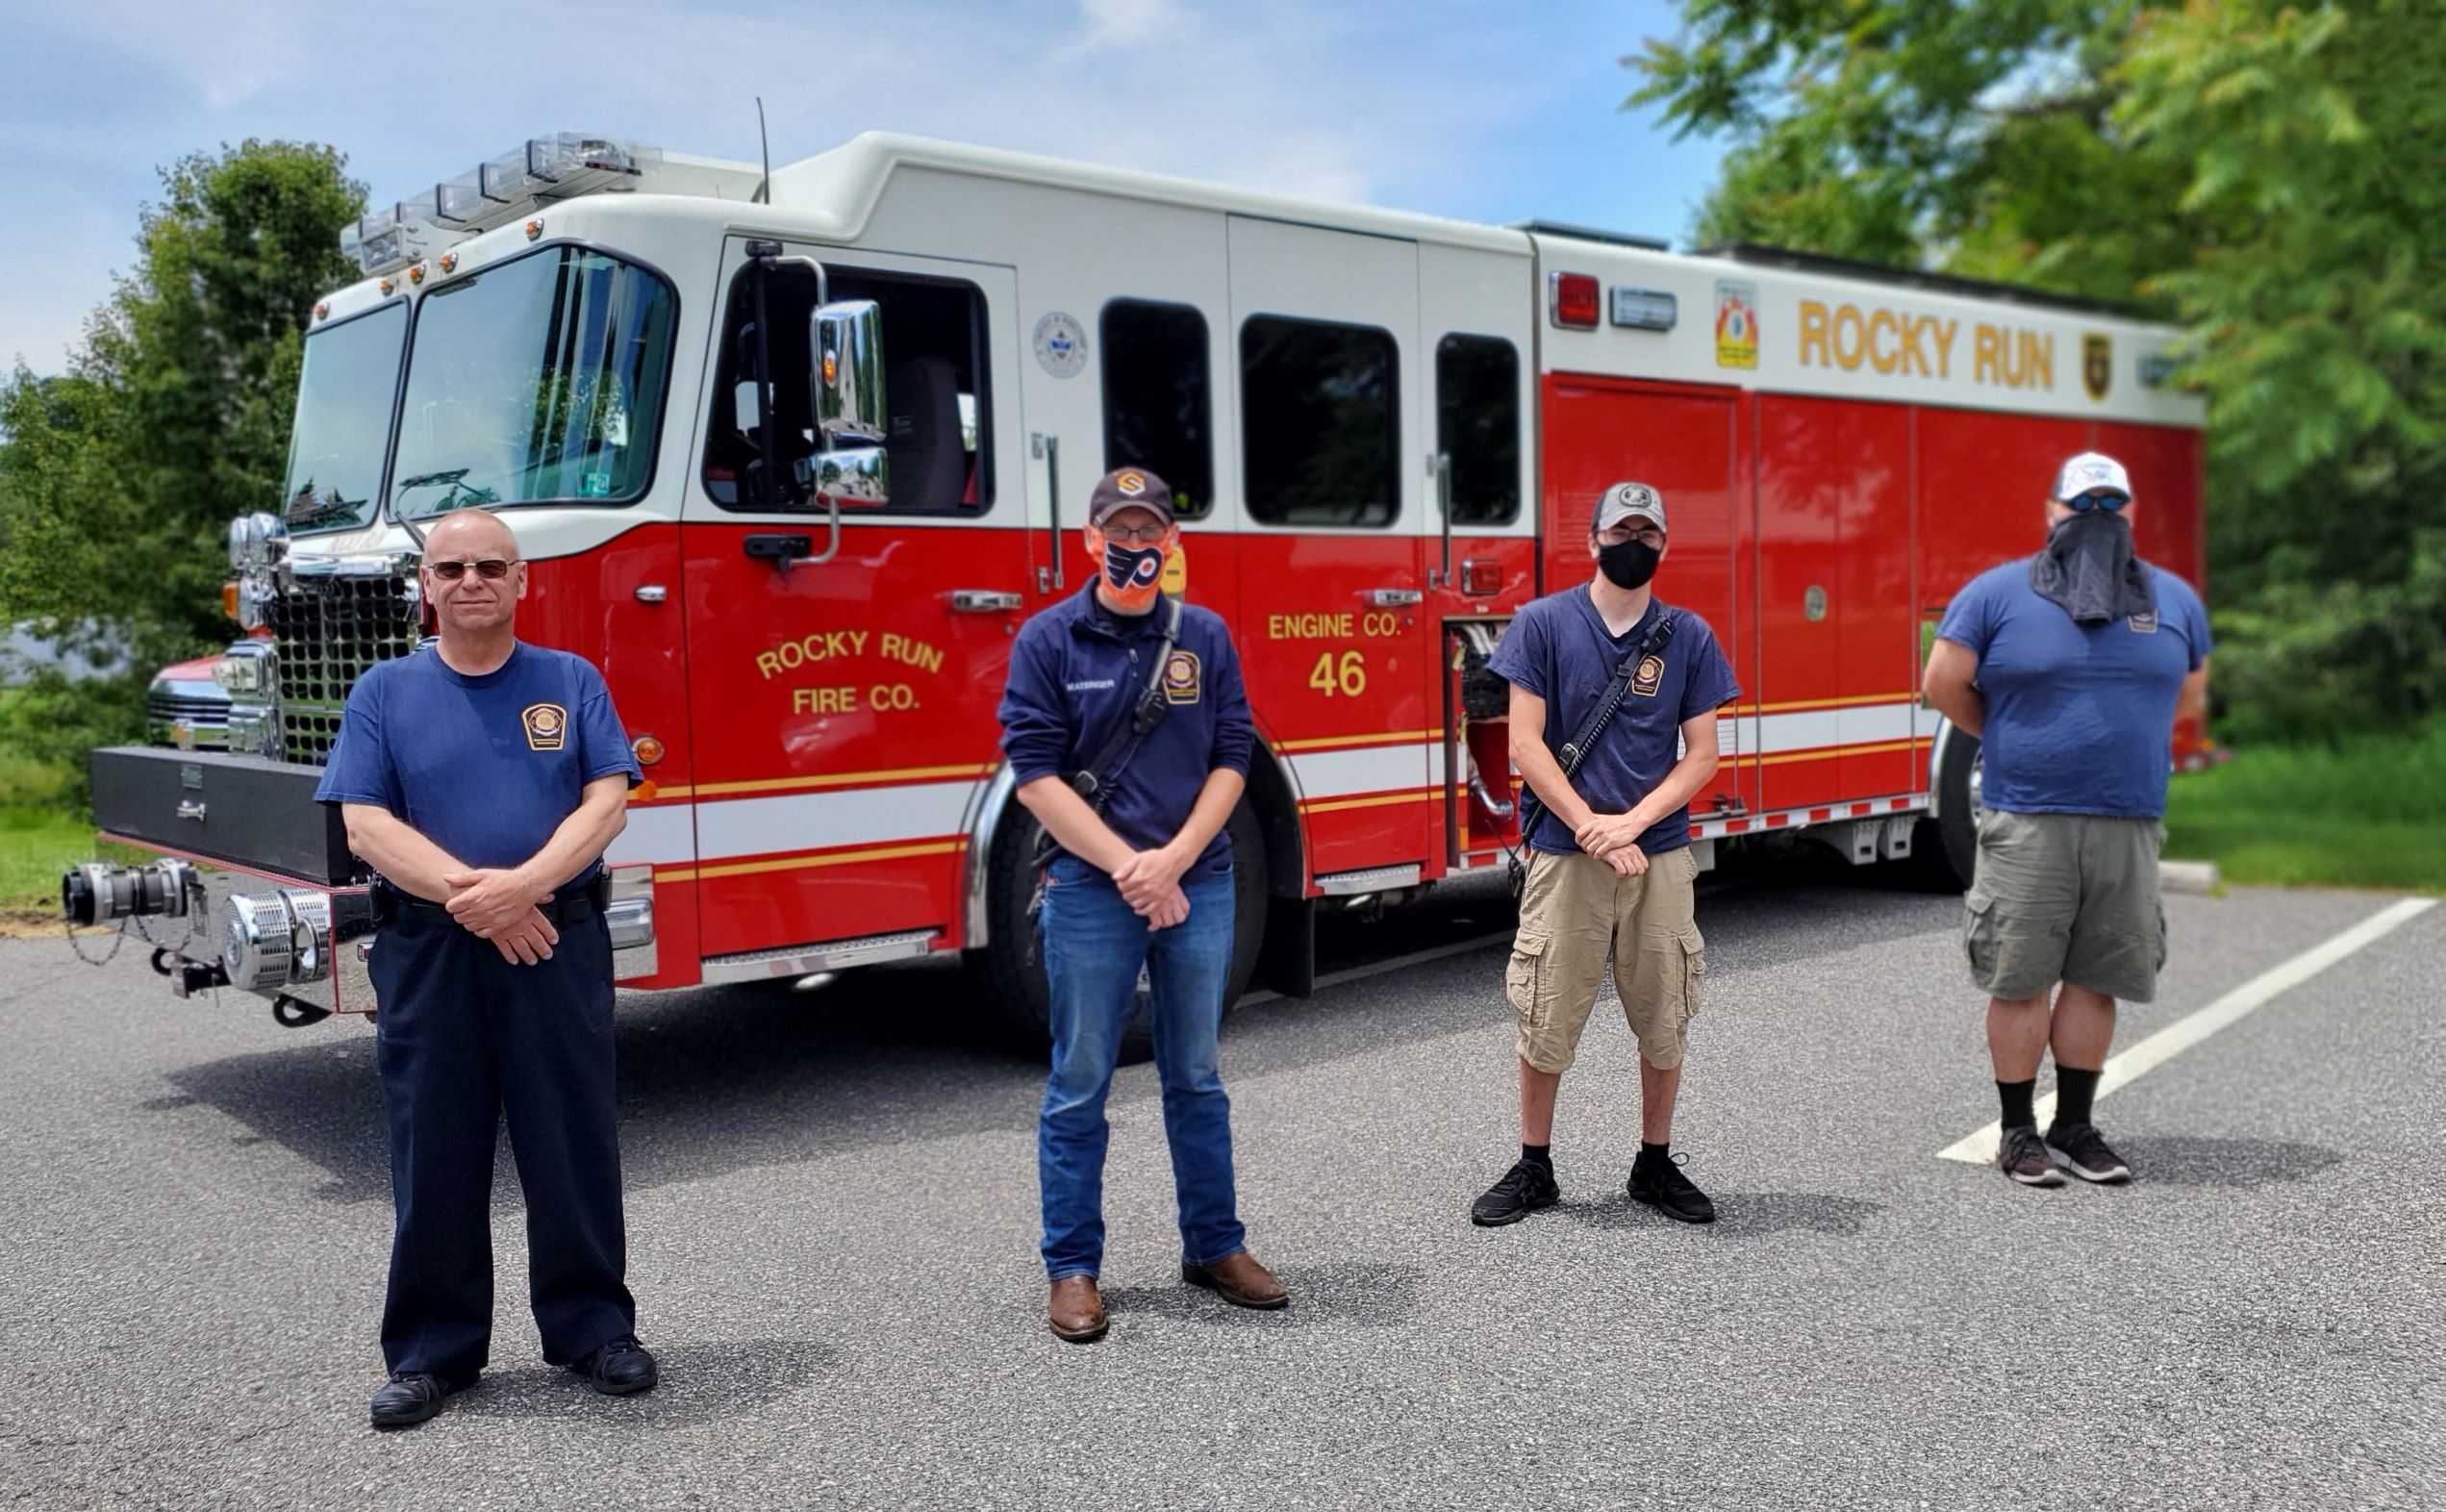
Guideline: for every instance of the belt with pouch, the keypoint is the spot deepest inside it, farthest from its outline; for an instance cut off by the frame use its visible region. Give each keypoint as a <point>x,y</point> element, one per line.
<point>574,904</point>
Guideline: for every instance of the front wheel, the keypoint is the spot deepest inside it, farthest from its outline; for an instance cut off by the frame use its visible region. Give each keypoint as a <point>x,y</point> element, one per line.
<point>1009,967</point>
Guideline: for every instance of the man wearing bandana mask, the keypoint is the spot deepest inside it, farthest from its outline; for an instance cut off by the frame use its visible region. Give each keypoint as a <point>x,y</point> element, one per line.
<point>1610,872</point>
<point>2071,668</point>
<point>1146,881</point>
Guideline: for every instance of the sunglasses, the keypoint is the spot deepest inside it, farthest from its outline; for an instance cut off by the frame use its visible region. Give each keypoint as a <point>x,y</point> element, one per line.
<point>2083,503</point>
<point>492,568</point>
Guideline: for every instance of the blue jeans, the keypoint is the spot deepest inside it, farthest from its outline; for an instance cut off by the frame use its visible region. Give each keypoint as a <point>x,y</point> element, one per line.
<point>1093,947</point>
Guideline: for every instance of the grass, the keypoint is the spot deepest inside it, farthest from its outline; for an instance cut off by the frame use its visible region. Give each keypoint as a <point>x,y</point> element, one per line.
<point>33,848</point>
<point>2370,813</point>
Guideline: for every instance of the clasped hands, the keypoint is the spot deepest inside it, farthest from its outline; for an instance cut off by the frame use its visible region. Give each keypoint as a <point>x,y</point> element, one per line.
<point>504,905</point>
<point>1150,881</point>
<point>1614,839</point>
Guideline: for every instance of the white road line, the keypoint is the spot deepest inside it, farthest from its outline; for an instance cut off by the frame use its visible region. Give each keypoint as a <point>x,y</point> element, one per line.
<point>2184,1033</point>
<point>1379,967</point>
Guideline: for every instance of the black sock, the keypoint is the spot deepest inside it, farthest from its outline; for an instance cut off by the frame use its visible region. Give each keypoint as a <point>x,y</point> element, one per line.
<point>1652,1154</point>
<point>1539,1156</point>
<point>2073,1090</point>
<point>2015,1096</point>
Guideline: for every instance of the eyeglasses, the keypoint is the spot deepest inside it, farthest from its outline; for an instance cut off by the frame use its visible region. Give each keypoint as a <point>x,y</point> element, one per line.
<point>2083,503</point>
<point>1616,535</point>
<point>1136,535</point>
<point>491,569</point>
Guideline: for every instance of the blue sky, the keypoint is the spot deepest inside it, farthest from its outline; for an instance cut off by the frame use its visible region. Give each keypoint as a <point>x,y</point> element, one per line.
<point>1487,110</point>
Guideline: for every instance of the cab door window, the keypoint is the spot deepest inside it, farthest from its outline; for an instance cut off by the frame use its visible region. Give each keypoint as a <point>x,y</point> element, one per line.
<point>1159,398</point>
<point>937,400</point>
<point>1478,425</point>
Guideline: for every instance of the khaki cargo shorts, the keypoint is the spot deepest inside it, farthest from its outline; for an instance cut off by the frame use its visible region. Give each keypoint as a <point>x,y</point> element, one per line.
<point>2065,898</point>
<point>1576,911</point>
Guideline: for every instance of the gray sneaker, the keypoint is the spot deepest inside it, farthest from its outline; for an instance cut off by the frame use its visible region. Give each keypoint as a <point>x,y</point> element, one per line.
<point>2082,1150</point>
<point>2026,1159</point>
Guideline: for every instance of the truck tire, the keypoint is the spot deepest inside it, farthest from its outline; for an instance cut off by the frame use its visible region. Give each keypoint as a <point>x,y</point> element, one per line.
<point>1009,968</point>
<point>1946,847</point>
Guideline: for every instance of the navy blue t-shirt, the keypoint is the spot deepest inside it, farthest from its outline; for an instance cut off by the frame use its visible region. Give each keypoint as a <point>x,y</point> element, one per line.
<point>2080,718</point>
<point>487,767</point>
<point>1077,670</point>
<point>1558,649</point>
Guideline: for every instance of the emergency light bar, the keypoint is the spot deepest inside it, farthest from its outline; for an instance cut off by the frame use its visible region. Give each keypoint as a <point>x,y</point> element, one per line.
<point>562,166</point>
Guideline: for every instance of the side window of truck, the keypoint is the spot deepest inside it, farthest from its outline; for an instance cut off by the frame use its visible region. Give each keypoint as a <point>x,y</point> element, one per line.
<point>1477,424</point>
<point>1159,397</point>
<point>1319,406</point>
<point>937,401</point>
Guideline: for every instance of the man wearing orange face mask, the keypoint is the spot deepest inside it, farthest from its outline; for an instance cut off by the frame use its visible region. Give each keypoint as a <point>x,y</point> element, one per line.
<point>1129,735</point>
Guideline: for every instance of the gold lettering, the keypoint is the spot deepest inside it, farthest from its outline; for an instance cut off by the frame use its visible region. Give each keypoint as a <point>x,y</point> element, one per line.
<point>1814,333</point>
<point>913,653</point>
<point>1846,355</point>
<point>767,663</point>
<point>1945,347</point>
<point>1887,360</point>
<point>1306,626</point>
<point>2038,359</point>
<point>1987,363</point>
<point>824,700</point>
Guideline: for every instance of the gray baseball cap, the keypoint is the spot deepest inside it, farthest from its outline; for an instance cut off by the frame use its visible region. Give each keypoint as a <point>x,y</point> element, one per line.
<point>1628,500</point>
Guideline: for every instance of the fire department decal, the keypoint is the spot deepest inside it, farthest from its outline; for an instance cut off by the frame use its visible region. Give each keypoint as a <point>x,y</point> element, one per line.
<point>2097,364</point>
<point>1736,323</point>
<point>1061,345</point>
<point>547,726</point>
<point>1180,678</point>
<point>1649,677</point>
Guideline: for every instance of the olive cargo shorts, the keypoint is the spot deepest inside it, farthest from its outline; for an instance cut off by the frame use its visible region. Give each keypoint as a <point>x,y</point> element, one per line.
<point>1575,911</point>
<point>2065,898</point>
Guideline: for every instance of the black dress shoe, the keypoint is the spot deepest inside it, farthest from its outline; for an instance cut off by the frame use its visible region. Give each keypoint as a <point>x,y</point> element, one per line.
<point>411,1396</point>
<point>620,1368</point>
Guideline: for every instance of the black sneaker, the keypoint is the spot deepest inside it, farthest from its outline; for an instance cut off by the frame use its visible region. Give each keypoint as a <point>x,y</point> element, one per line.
<point>620,1368</point>
<point>2078,1149</point>
<point>1662,1185</point>
<point>1525,1189</point>
<point>2024,1158</point>
<point>410,1397</point>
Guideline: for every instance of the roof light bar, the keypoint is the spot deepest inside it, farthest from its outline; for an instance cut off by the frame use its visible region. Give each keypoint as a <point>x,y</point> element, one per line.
<point>562,166</point>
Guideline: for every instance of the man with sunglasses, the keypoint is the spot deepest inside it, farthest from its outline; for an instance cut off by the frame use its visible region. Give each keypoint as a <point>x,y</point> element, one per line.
<point>2070,668</point>
<point>1142,880</point>
<point>482,780</point>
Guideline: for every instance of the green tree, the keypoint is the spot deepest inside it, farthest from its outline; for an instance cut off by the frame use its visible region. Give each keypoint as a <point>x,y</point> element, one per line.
<point>118,478</point>
<point>2273,176</point>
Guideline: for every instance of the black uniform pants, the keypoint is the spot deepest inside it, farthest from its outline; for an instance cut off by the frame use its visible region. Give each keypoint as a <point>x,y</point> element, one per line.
<point>463,1036</point>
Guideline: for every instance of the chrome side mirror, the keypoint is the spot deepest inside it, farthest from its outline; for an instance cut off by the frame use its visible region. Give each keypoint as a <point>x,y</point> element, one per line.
<point>849,379</point>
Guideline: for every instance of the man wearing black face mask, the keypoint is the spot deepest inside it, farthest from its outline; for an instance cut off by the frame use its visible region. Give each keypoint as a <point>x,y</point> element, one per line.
<point>1610,872</point>
<point>2071,668</point>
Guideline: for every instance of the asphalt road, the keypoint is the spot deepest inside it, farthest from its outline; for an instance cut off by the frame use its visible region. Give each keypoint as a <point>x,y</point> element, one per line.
<point>832,1221</point>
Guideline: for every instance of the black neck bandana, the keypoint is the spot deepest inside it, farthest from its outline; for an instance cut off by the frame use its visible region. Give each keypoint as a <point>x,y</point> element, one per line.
<point>2088,569</point>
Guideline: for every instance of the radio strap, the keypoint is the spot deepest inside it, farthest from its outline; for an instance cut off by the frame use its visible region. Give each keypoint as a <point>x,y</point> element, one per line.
<point>1095,781</point>
<point>1584,740</point>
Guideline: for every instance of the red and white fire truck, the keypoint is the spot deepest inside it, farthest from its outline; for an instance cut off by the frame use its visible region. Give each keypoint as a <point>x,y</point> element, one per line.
<point>794,455</point>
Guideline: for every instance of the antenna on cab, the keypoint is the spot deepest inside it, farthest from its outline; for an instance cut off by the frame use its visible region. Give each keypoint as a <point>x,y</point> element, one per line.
<point>765,190</point>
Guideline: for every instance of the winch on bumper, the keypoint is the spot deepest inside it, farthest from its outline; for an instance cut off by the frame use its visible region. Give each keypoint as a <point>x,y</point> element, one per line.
<point>257,891</point>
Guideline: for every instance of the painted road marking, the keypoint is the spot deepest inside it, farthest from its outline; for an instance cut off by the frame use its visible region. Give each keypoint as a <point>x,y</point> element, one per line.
<point>1979,1149</point>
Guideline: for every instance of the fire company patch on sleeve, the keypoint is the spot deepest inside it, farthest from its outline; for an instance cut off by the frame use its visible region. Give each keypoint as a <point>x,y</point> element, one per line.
<point>547,726</point>
<point>1180,678</point>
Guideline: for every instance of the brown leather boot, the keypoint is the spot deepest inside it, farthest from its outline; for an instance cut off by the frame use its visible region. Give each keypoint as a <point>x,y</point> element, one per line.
<point>1076,1311</point>
<point>1240,1280</point>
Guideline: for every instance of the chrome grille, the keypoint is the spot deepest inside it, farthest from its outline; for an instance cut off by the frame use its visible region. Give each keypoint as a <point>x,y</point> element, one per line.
<point>329,630</point>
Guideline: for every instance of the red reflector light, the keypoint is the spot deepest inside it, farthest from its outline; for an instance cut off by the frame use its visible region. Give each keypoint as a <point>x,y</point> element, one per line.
<point>1572,300</point>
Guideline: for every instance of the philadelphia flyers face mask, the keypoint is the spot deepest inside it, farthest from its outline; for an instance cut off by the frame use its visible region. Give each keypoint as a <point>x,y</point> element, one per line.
<point>1132,574</point>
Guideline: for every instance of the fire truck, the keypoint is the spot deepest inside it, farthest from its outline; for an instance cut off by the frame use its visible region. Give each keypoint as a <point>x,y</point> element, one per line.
<point>794,453</point>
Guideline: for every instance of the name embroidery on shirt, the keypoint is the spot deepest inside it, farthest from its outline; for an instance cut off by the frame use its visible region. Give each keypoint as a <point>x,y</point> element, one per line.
<point>1091,686</point>
<point>547,726</point>
<point>1180,678</point>
<point>1649,677</point>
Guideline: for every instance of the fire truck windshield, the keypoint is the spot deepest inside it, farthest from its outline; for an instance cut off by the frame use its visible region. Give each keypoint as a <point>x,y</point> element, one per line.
<point>343,418</point>
<point>537,379</point>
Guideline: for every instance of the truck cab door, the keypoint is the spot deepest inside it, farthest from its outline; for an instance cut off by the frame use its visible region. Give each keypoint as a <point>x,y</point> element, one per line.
<point>843,693</point>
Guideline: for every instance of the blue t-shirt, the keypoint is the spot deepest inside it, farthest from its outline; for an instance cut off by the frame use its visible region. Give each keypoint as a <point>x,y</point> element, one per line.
<point>1558,649</point>
<point>487,767</point>
<point>2080,718</point>
<point>1077,670</point>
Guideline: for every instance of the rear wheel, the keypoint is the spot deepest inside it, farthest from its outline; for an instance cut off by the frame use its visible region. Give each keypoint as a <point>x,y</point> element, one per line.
<point>1010,967</point>
<point>1947,847</point>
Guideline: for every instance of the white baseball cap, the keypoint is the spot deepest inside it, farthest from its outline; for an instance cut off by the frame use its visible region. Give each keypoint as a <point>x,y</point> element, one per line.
<point>2091,472</point>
